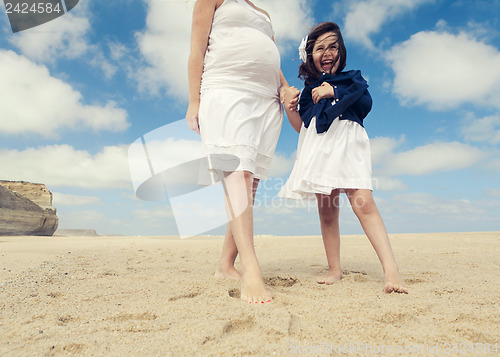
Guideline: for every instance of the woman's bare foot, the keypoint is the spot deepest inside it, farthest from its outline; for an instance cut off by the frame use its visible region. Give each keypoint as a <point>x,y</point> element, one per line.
<point>394,283</point>
<point>253,289</point>
<point>229,272</point>
<point>332,277</point>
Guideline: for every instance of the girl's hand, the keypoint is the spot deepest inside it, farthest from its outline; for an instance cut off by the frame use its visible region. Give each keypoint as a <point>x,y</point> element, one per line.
<point>290,98</point>
<point>192,117</point>
<point>325,90</point>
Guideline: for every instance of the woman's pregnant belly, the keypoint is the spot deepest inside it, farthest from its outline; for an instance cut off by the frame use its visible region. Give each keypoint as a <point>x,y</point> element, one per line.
<point>242,57</point>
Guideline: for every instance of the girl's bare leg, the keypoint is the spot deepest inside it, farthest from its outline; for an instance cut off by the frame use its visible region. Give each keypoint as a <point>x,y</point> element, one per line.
<point>239,197</point>
<point>226,268</point>
<point>364,207</point>
<point>328,208</point>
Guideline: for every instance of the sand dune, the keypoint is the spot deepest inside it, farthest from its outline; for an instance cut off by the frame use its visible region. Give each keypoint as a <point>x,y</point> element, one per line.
<point>121,296</point>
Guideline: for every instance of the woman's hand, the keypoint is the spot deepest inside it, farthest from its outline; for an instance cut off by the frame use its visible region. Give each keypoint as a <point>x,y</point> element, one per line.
<point>325,90</point>
<point>203,14</point>
<point>283,90</point>
<point>290,98</point>
<point>192,117</point>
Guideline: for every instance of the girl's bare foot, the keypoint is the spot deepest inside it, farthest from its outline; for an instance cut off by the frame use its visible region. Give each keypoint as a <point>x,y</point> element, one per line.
<point>394,283</point>
<point>332,277</point>
<point>229,272</point>
<point>253,289</point>
<point>395,288</point>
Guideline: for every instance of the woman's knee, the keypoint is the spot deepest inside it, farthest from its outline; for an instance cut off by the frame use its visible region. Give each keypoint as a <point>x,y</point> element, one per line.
<point>242,178</point>
<point>248,174</point>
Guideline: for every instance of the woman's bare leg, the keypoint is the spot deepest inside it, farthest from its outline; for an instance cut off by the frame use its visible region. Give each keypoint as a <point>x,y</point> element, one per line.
<point>239,197</point>
<point>328,208</point>
<point>225,268</point>
<point>364,207</point>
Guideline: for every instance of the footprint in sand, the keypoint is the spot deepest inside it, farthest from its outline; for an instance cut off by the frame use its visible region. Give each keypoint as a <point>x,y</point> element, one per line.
<point>412,281</point>
<point>396,319</point>
<point>238,325</point>
<point>360,278</point>
<point>270,281</point>
<point>74,348</point>
<point>359,272</point>
<point>294,325</point>
<point>280,281</point>
<point>357,276</point>
<point>63,320</point>
<point>146,316</point>
<point>185,296</point>
<point>234,293</point>
<point>54,295</point>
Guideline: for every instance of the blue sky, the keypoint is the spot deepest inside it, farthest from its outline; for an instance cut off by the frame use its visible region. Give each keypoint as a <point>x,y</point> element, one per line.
<point>77,91</point>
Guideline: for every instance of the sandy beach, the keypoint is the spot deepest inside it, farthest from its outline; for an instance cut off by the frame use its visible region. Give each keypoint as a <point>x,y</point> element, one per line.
<point>156,296</point>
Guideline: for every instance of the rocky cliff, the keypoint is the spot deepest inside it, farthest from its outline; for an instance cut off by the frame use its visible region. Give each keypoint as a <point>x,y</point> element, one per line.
<point>26,209</point>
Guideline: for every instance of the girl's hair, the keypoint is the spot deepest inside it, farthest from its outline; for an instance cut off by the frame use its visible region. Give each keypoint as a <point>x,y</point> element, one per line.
<point>307,70</point>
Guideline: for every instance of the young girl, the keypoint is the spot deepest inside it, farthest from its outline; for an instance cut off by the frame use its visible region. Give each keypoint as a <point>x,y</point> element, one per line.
<point>333,153</point>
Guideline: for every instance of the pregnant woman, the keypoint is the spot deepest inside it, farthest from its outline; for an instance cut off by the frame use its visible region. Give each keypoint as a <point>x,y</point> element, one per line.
<point>234,103</point>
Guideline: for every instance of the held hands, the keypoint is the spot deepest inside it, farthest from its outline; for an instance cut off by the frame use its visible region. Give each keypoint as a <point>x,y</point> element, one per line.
<point>290,98</point>
<point>325,90</point>
<point>192,117</point>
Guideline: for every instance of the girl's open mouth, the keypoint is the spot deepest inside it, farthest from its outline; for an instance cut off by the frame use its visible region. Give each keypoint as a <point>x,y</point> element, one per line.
<point>327,65</point>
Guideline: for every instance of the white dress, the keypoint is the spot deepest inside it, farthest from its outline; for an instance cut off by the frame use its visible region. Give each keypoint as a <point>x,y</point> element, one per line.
<point>339,158</point>
<point>240,112</point>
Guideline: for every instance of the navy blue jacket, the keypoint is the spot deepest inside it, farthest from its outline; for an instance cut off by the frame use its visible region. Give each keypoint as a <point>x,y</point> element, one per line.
<point>352,100</point>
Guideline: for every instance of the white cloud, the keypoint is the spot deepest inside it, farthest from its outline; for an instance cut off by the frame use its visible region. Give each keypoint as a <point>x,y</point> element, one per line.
<point>290,22</point>
<point>494,165</point>
<point>422,160</point>
<point>33,101</point>
<point>435,157</point>
<point>165,46</point>
<point>62,165</point>
<point>383,147</point>
<point>492,192</point>
<point>99,60</point>
<point>165,43</point>
<point>63,199</point>
<point>482,30</point>
<point>66,37</point>
<point>385,183</point>
<point>117,50</point>
<point>281,165</point>
<point>422,206</point>
<point>485,129</point>
<point>425,212</point>
<point>63,37</point>
<point>366,17</point>
<point>443,71</point>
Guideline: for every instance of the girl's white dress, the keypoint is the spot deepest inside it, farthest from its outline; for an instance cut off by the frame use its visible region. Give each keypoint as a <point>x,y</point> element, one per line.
<point>240,113</point>
<point>339,158</point>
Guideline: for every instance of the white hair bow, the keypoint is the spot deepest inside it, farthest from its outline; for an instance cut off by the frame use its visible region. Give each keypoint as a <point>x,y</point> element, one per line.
<point>302,50</point>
